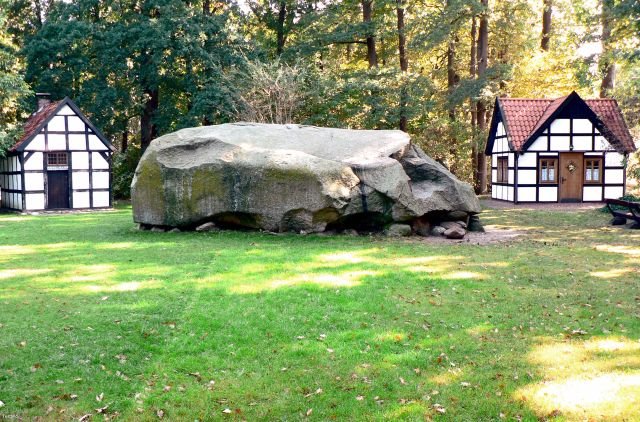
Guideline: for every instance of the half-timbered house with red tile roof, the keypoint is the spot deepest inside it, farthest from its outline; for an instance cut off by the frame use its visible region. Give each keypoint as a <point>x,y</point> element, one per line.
<point>61,161</point>
<point>558,150</point>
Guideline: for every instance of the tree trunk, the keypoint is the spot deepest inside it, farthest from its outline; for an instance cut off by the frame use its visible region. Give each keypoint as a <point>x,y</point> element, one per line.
<point>125,141</point>
<point>367,11</point>
<point>148,129</point>
<point>546,24</point>
<point>404,64</point>
<point>483,54</point>
<point>473,64</point>
<point>206,7</point>
<point>282,15</point>
<point>607,64</point>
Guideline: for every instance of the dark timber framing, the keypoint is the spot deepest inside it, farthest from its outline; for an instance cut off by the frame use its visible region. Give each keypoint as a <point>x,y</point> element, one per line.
<point>20,185</point>
<point>595,141</point>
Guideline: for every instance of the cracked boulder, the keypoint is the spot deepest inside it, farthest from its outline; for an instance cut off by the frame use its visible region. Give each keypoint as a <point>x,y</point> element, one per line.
<point>291,178</point>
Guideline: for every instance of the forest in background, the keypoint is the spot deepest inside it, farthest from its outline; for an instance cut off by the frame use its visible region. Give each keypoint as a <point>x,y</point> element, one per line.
<point>433,68</point>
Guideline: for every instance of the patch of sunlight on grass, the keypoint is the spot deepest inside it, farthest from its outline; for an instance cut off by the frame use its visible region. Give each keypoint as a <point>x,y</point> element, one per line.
<point>479,330</point>
<point>20,272</point>
<point>614,273</point>
<point>90,273</point>
<point>52,247</point>
<point>130,286</point>
<point>464,275</point>
<point>8,251</point>
<point>611,396</point>
<point>118,245</point>
<point>425,260</point>
<point>348,257</point>
<point>594,379</point>
<point>408,411</point>
<point>343,279</point>
<point>447,377</point>
<point>395,337</point>
<point>626,250</point>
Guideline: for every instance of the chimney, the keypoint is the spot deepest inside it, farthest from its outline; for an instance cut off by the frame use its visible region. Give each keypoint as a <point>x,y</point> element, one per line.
<point>44,99</point>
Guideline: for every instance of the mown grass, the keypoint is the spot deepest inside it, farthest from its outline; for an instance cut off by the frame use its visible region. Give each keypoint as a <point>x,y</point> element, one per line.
<point>250,326</point>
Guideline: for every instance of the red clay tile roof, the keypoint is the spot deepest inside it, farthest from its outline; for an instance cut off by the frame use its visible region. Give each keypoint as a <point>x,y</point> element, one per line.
<point>32,125</point>
<point>608,111</point>
<point>524,116</point>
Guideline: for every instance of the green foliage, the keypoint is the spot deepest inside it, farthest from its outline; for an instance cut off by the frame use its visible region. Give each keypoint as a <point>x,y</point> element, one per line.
<point>13,89</point>
<point>124,167</point>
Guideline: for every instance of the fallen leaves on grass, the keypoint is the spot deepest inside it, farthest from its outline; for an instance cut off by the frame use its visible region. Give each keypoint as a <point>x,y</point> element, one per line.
<point>439,408</point>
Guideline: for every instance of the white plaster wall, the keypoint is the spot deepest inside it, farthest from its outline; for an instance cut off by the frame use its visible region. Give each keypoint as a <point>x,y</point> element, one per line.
<point>75,124</point>
<point>77,142</point>
<point>548,194</point>
<point>511,159</point>
<point>80,180</point>
<point>560,126</point>
<point>527,177</point>
<point>602,144</point>
<point>57,142</point>
<point>34,201</point>
<point>100,199</point>
<point>95,144</point>
<point>581,143</point>
<point>613,176</point>
<point>34,162</point>
<point>613,192</point>
<point>100,180</point>
<point>56,124</point>
<point>560,143</point>
<point>494,175</point>
<point>66,111</point>
<point>80,160</point>
<point>510,178</point>
<point>527,159</point>
<point>80,199</point>
<point>500,129</point>
<point>98,162</point>
<point>509,193</point>
<point>34,181</point>
<point>592,193</point>
<point>526,193</point>
<point>613,159</point>
<point>36,144</point>
<point>539,144</point>
<point>582,126</point>
<point>494,161</point>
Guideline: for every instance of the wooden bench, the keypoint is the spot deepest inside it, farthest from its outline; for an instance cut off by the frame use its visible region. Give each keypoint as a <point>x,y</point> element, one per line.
<point>630,211</point>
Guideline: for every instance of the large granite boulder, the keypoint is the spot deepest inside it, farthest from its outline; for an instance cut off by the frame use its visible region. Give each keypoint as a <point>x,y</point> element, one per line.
<point>291,178</point>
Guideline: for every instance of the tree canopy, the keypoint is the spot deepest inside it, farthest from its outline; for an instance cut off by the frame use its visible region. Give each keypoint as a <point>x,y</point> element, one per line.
<point>141,68</point>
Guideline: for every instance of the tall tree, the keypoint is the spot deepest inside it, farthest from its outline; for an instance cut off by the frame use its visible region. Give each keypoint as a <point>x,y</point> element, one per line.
<point>546,24</point>
<point>367,12</point>
<point>607,62</point>
<point>481,107</point>
<point>13,89</point>
<point>404,63</point>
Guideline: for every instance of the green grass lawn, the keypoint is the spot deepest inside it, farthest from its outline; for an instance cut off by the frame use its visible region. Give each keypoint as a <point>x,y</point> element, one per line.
<point>247,326</point>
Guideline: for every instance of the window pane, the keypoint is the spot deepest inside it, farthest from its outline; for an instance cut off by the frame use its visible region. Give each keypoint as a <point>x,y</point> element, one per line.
<point>589,174</point>
<point>552,174</point>
<point>544,175</point>
<point>596,174</point>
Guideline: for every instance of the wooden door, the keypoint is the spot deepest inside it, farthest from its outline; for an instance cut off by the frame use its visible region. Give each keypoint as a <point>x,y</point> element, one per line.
<point>57,189</point>
<point>570,172</point>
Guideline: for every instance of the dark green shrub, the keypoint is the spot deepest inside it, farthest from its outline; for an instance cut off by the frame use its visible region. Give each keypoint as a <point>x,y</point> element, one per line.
<point>124,166</point>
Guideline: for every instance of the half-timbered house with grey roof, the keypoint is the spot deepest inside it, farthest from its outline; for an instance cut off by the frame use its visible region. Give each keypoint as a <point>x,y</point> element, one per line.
<point>61,161</point>
<point>558,150</point>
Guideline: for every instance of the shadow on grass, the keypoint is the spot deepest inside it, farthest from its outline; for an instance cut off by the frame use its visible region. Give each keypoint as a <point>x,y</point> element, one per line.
<point>270,327</point>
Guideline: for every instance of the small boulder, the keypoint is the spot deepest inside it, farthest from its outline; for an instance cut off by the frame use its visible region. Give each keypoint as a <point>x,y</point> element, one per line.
<point>438,231</point>
<point>618,221</point>
<point>158,229</point>
<point>475,225</point>
<point>174,230</point>
<point>455,233</point>
<point>207,227</point>
<point>451,225</point>
<point>398,230</point>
